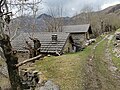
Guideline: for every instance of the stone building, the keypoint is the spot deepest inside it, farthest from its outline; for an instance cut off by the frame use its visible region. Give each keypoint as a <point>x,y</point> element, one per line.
<point>79,33</point>
<point>51,42</point>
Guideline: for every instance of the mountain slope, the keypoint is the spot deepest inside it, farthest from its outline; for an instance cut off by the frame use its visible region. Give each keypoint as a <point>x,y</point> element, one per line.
<point>112,9</point>
<point>43,16</point>
<point>109,15</point>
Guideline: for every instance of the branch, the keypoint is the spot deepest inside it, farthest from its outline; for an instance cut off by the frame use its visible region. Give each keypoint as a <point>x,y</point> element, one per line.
<point>25,3</point>
<point>31,38</point>
<point>6,7</point>
<point>14,35</point>
<point>28,60</point>
<point>1,2</point>
<point>6,13</point>
<point>4,1</point>
<point>57,53</point>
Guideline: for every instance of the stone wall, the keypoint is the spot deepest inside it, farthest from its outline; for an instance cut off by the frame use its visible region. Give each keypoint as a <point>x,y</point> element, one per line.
<point>68,47</point>
<point>78,38</point>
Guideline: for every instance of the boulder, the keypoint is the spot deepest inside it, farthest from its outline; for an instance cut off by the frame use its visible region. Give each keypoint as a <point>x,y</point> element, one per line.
<point>92,40</point>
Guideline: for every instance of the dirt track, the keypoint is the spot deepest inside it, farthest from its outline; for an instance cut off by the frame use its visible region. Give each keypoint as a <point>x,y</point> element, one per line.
<point>94,78</point>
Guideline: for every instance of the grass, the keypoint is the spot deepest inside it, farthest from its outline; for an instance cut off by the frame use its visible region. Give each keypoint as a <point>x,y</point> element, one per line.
<point>101,66</point>
<point>1,61</point>
<point>100,59</point>
<point>116,60</point>
<point>65,70</point>
<point>4,82</point>
<point>118,30</point>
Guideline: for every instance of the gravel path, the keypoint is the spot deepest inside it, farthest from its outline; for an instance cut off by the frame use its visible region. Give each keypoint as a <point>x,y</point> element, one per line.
<point>111,66</point>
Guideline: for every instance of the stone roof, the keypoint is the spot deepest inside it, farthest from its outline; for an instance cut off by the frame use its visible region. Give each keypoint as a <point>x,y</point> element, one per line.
<point>76,28</point>
<point>47,45</point>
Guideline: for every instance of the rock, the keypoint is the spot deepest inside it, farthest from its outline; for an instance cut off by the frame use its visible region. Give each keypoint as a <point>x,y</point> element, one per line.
<point>49,85</point>
<point>48,55</point>
<point>92,40</point>
<point>110,37</point>
<point>2,57</point>
<point>118,37</point>
<point>115,44</point>
<point>35,71</point>
<point>3,69</point>
<point>42,78</point>
<point>113,68</point>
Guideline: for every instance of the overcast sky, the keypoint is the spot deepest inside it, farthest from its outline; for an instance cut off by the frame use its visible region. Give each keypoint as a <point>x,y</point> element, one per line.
<point>71,7</point>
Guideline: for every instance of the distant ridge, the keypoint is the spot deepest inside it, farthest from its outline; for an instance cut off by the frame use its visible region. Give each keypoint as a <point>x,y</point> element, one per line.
<point>44,16</point>
<point>112,9</point>
<point>26,22</point>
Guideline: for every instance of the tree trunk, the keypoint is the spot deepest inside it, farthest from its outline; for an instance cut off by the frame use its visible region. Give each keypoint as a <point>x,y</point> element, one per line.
<point>11,61</point>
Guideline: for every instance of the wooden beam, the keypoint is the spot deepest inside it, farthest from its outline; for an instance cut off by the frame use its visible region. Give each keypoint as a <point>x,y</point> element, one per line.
<point>28,60</point>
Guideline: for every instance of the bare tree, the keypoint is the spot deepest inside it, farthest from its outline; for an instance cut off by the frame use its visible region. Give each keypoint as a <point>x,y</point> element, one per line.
<point>11,59</point>
<point>85,16</point>
<point>56,21</point>
<point>24,15</point>
<point>87,11</point>
<point>9,54</point>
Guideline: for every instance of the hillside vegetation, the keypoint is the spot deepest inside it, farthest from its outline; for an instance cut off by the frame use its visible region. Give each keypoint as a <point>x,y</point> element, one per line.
<point>86,70</point>
<point>99,20</point>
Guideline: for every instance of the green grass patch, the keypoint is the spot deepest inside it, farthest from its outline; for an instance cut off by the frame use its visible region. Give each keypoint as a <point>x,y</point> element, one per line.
<point>101,68</point>
<point>116,60</point>
<point>118,30</point>
<point>101,65</point>
<point>0,63</point>
<point>4,82</point>
<point>65,70</point>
